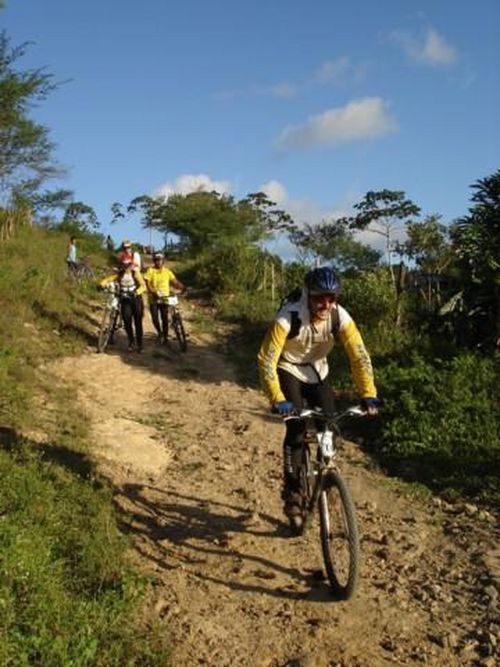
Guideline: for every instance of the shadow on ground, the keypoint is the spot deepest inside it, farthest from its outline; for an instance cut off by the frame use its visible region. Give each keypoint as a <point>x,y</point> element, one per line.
<point>172,530</point>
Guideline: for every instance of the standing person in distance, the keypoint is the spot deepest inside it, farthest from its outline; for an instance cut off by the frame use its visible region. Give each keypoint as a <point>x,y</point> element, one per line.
<point>294,370</point>
<point>158,279</point>
<point>71,257</point>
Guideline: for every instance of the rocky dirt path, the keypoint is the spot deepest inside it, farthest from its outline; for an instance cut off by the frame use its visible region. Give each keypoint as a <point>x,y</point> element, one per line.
<point>195,460</point>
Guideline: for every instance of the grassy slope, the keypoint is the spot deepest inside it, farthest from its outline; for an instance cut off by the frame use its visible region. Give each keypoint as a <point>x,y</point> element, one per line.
<point>67,594</point>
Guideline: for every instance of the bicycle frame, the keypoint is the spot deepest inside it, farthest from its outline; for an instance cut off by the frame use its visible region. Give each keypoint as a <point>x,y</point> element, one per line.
<point>326,451</point>
<point>171,301</point>
<point>323,488</point>
<point>113,300</point>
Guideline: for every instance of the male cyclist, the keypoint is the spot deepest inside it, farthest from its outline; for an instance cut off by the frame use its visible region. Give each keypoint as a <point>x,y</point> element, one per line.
<point>158,279</point>
<point>293,365</point>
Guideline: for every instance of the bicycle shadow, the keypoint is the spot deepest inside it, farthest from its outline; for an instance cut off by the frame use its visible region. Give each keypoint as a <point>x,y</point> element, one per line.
<point>200,363</point>
<point>173,530</point>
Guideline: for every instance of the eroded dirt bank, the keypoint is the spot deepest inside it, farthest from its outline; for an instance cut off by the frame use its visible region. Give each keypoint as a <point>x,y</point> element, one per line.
<point>195,459</point>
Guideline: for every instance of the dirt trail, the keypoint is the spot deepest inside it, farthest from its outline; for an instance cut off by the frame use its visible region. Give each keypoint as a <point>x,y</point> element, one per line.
<point>195,459</point>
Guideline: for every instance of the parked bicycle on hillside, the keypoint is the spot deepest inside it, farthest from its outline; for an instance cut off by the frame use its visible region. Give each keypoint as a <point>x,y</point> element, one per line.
<point>322,486</point>
<point>80,271</point>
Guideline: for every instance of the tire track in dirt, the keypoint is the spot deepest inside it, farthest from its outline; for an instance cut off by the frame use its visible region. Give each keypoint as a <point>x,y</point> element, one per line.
<point>195,459</point>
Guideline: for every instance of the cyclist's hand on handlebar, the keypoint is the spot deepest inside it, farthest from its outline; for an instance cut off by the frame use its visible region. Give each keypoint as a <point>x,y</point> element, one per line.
<point>283,407</point>
<point>371,405</point>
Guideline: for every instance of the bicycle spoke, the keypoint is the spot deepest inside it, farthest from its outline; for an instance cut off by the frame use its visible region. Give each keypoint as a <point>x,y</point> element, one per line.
<point>179,331</point>
<point>106,329</point>
<point>339,536</point>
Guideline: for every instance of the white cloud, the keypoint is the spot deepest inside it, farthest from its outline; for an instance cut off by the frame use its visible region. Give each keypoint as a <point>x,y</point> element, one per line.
<point>283,90</point>
<point>275,191</point>
<point>188,183</point>
<point>338,71</point>
<point>432,49</point>
<point>360,119</point>
<point>332,70</point>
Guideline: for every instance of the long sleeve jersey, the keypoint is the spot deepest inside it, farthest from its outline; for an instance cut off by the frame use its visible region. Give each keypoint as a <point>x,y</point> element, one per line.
<point>305,355</point>
<point>128,281</point>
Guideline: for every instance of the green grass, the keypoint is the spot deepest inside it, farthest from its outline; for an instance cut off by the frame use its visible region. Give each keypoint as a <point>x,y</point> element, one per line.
<point>65,593</point>
<point>68,595</point>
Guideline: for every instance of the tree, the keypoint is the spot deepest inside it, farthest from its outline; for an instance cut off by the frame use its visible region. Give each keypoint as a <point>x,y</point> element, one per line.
<point>272,219</point>
<point>334,242</point>
<point>384,212</point>
<point>116,212</point>
<point>427,245</point>
<point>204,220</point>
<point>26,160</point>
<point>79,218</point>
<point>476,244</point>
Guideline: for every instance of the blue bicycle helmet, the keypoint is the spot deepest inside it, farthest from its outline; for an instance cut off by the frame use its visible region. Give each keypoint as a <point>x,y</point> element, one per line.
<point>322,280</point>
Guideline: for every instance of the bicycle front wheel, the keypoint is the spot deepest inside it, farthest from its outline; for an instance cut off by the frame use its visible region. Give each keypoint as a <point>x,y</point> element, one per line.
<point>106,328</point>
<point>178,326</point>
<point>339,536</point>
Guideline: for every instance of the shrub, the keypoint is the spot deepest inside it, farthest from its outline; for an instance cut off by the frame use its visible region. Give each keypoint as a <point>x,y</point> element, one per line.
<point>444,417</point>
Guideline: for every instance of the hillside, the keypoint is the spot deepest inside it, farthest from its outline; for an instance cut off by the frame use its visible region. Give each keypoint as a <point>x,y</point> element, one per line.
<point>194,458</point>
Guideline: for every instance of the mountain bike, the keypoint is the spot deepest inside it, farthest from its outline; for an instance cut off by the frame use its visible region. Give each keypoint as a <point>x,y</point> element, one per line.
<point>82,271</point>
<point>110,321</point>
<point>323,486</point>
<point>175,318</point>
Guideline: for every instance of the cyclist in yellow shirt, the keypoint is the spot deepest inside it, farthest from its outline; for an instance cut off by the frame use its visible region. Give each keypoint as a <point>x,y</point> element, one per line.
<point>158,280</point>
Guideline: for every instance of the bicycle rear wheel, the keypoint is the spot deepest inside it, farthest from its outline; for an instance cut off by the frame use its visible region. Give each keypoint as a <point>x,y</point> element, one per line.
<point>106,329</point>
<point>339,536</point>
<point>86,272</point>
<point>178,326</point>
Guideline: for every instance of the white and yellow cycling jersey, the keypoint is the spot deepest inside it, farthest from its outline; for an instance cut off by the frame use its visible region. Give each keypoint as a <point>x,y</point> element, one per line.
<point>305,354</point>
<point>128,281</point>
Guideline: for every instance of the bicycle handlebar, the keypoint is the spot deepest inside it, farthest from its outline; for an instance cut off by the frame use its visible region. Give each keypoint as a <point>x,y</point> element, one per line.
<point>353,411</point>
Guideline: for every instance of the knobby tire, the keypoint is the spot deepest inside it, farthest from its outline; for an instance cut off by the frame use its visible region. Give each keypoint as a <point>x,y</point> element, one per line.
<point>108,323</point>
<point>339,536</point>
<point>179,331</point>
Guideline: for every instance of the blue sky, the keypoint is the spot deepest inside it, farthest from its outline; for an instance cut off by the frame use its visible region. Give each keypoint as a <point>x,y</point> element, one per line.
<point>313,102</point>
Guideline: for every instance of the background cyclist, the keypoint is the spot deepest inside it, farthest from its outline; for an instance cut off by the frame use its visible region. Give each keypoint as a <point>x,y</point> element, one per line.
<point>158,279</point>
<point>293,365</point>
<point>128,254</point>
